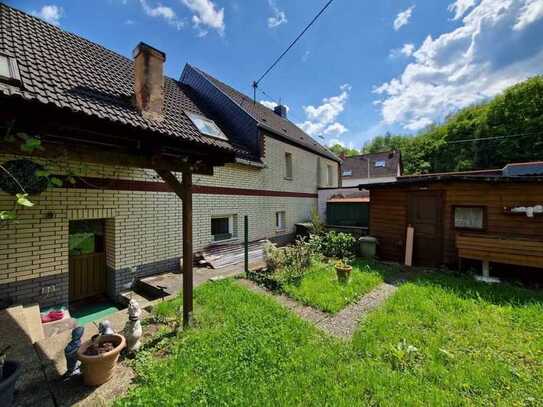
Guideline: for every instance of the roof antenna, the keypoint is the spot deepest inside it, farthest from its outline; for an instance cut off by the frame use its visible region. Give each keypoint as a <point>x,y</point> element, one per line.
<point>255,85</point>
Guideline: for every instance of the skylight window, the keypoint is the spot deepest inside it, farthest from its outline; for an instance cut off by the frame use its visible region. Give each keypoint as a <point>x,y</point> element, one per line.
<point>206,126</point>
<point>9,71</point>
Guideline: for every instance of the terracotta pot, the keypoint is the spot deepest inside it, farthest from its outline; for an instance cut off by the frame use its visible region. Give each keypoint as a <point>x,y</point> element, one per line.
<point>99,369</point>
<point>344,274</point>
<point>12,371</point>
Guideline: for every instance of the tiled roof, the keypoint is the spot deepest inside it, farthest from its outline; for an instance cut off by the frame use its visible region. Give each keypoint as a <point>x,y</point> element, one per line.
<point>268,118</point>
<point>358,165</point>
<point>65,70</point>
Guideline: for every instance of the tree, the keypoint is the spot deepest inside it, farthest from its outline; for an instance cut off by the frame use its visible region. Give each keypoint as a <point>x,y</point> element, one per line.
<point>338,149</point>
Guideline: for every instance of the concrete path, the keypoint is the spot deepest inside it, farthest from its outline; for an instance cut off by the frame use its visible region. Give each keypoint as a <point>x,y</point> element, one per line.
<point>344,323</point>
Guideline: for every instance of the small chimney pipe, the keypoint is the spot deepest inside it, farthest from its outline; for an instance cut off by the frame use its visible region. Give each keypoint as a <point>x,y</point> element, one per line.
<point>149,81</point>
<point>281,110</point>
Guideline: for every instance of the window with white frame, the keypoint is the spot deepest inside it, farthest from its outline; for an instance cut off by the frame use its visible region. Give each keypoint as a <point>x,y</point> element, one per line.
<point>288,165</point>
<point>206,126</point>
<point>280,220</point>
<point>329,175</point>
<point>223,227</point>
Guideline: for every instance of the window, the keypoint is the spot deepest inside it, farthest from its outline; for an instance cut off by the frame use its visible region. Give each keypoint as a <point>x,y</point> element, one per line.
<point>469,217</point>
<point>206,126</point>
<point>347,173</point>
<point>380,163</point>
<point>223,227</point>
<point>288,165</point>
<point>329,175</point>
<point>9,71</point>
<point>280,223</point>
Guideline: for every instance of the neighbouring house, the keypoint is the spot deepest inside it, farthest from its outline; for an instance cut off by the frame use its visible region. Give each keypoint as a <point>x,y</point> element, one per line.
<point>114,129</point>
<point>371,168</point>
<point>489,216</point>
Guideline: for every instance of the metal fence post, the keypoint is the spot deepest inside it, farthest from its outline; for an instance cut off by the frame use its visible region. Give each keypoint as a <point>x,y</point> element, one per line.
<point>246,242</point>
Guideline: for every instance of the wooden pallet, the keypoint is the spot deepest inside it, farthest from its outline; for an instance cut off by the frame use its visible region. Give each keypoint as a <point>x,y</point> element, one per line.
<point>219,256</point>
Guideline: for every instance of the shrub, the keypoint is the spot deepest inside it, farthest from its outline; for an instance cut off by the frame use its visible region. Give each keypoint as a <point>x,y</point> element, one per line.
<point>333,244</point>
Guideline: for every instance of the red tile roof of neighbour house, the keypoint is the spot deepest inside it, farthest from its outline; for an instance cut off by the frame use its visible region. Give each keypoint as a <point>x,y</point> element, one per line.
<point>271,121</point>
<point>62,69</point>
<point>384,164</point>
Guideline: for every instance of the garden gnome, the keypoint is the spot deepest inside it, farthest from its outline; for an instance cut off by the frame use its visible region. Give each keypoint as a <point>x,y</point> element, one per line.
<point>104,328</point>
<point>132,329</point>
<point>70,352</point>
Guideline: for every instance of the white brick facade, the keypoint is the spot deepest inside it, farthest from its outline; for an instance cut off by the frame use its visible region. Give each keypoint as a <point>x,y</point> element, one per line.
<point>144,228</point>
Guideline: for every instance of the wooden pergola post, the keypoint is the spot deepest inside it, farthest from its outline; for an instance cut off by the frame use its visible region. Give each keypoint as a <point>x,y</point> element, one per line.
<point>184,191</point>
<point>187,248</point>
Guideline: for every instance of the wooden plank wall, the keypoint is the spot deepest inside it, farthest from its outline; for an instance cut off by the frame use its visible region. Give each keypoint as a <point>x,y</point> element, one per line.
<point>388,213</point>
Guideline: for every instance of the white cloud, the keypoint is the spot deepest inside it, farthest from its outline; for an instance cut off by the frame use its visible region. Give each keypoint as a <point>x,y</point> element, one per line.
<point>271,105</point>
<point>459,7</point>
<point>279,17</point>
<point>164,12</point>
<point>407,50</point>
<point>532,11</point>
<point>490,51</point>
<point>403,18</point>
<point>50,13</point>
<point>322,120</point>
<point>206,15</point>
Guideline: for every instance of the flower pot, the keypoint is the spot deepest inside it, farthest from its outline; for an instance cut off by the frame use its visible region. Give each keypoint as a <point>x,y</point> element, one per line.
<point>343,274</point>
<point>98,369</point>
<point>12,371</point>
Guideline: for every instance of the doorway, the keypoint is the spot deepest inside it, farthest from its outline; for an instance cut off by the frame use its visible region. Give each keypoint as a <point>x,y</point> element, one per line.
<point>87,259</point>
<point>425,214</point>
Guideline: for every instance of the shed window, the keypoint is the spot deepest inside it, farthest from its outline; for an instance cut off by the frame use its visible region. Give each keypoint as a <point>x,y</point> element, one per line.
<point>206,126</point>
<point>223,227</point>
<point>469,217</point>
<point>9,71</point>
<point>280,223</point>
<point>288,165</point>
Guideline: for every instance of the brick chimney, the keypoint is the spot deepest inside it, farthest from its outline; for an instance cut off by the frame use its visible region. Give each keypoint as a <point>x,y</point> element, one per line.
<point>281,110</point>
<point>149,81</point>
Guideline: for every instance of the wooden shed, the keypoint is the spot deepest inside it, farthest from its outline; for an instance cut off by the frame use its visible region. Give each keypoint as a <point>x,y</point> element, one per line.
<point>492,216</point>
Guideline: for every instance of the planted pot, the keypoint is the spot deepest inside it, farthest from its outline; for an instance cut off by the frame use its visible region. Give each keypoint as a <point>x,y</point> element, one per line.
<point>343,273</point>
<point>11,372</point>
<point>99,358</point>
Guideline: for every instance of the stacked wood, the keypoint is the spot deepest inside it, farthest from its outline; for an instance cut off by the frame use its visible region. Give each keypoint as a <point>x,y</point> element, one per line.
<point>219,256</point>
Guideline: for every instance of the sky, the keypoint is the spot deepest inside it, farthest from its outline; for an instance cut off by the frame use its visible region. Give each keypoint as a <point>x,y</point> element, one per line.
<point>365,68</point>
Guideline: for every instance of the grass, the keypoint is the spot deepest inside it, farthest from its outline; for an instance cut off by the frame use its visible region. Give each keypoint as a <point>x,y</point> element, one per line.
<point>440,340</point>
<point>320,288</point>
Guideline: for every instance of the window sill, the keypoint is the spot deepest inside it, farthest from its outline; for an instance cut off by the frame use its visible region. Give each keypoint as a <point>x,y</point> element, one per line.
<point>280,230</point>
<point>288,178</point>
<point>220,242</point>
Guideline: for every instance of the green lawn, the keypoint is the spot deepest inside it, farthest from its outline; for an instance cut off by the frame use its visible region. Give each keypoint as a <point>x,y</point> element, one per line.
<point>321,289</point>
<point>464,343</point>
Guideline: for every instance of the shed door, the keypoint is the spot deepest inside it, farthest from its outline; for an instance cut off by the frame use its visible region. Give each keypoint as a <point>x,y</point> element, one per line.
<point>426,216</point>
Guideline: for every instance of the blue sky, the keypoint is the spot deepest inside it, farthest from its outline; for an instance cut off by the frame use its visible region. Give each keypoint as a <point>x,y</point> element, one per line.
<point>365,68</point>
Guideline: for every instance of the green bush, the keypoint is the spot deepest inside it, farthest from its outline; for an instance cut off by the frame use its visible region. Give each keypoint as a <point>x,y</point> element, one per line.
<point>333,244</point>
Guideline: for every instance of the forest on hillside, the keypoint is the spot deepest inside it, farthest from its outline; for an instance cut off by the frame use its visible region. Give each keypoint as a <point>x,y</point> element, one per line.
<point>507,128</point>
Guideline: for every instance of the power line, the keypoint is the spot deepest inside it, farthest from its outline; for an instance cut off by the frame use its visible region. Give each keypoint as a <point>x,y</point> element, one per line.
<point>255,83</point>
<point>492,138</point>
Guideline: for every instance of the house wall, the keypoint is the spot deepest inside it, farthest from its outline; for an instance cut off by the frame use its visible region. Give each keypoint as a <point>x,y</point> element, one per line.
<point>354,182</point>
<point>388,213</point>
<point>143,228</point>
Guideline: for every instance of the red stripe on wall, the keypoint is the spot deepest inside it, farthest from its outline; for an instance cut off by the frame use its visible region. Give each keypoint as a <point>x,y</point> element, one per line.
<point>148,186</point>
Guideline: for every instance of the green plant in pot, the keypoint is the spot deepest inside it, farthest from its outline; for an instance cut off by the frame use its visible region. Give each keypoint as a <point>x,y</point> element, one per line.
<point>9,373</point>
<point>343,271</point>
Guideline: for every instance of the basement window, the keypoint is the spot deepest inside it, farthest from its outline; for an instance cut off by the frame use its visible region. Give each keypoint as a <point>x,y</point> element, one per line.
<point>206,126</point>
<point>223,227</point>
<point>469,217</point>
<point>9,71</point>
<point>280,223</point>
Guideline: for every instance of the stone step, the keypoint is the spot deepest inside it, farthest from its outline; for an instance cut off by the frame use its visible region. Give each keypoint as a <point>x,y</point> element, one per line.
<point>33,322</point>
<point>142,300</point>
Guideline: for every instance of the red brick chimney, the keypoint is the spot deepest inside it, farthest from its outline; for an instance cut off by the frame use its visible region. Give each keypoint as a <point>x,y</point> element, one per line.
<point>149,81</point>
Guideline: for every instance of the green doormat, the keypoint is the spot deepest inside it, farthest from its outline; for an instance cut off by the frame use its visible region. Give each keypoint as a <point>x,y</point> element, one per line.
<point>92,312</point>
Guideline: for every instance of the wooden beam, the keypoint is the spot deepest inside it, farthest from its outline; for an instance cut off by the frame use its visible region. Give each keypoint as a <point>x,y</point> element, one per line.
<point>184,191</point>
<point>187,248</point>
